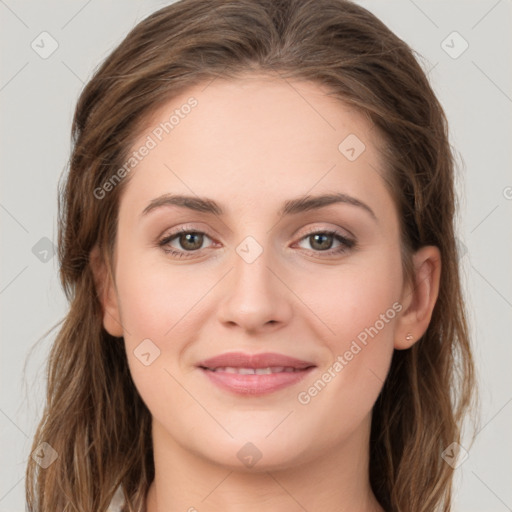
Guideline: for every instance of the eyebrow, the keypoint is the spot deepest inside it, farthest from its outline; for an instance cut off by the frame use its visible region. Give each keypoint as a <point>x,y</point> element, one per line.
<point>290,207</point>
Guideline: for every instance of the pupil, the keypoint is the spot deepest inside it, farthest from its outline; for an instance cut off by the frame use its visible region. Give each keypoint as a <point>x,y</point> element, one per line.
<point>315,237</point>
<point>190,244</point>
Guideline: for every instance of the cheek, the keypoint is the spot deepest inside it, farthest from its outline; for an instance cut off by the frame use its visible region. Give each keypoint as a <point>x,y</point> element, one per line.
<point>154,299</point>
<point>154,310</point>
<point>359,308</point>
<point>350,300</point>
<point>163,305</point>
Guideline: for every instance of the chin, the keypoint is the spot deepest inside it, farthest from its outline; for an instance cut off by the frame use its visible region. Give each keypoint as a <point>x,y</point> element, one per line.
<point>254,452</point>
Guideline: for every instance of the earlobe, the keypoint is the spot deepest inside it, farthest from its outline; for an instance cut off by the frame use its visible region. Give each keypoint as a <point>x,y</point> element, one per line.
<point>105,289</point>
<point>420,298</point>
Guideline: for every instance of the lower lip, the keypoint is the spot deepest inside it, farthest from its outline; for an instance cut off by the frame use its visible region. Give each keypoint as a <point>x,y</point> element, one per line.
<point>254,384</point>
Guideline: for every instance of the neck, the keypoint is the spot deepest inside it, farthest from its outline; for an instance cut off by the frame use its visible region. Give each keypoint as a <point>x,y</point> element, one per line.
<point>335,481</point>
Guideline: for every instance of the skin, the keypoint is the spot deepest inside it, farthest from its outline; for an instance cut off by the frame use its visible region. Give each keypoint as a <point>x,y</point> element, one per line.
<point>250,144</point>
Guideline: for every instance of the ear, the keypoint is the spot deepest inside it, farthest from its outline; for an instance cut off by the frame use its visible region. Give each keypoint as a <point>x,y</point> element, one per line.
<point>106,291</point>
<point>419,298</point>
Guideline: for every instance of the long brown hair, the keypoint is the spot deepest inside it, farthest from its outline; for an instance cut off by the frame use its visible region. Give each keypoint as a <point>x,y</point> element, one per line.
<point>94,418</point>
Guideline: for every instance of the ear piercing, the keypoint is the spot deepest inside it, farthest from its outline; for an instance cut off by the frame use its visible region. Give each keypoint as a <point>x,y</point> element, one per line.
<point>409,336</point>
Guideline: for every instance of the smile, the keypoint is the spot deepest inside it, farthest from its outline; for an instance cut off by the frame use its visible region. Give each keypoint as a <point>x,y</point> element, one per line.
<point>254,374</point>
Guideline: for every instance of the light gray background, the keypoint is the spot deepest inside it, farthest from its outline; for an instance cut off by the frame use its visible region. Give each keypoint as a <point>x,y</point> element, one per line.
<point>37,100</point>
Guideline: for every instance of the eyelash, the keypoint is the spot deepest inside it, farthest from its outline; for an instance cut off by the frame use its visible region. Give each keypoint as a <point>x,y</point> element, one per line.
<point>346,242</point>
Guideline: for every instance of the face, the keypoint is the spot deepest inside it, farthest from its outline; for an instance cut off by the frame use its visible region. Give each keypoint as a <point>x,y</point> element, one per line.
<point>258,273</point>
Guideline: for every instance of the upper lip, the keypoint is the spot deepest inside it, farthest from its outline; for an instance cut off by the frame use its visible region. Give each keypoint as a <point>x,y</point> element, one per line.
<point>265,360</point>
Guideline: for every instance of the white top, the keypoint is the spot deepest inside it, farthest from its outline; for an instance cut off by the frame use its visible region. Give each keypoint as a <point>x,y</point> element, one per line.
<point>116,505</point>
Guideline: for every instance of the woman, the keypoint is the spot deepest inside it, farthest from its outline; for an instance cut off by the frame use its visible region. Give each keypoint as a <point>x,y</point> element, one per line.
<point>257,242</point>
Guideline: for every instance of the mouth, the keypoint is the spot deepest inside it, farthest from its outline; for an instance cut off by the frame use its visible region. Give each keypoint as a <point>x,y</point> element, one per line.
<point>255,374</point>
<point>254,371</point>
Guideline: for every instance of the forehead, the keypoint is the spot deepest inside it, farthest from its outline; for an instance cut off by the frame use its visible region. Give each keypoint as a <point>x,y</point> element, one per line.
<point>257,138</point>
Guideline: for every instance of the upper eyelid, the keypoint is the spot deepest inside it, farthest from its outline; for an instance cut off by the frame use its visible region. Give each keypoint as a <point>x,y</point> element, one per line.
<point>191,229</point>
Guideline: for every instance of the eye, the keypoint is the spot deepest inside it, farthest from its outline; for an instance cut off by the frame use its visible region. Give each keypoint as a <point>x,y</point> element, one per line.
<point>322,241</point>
<point>187,239</point>
<point>190,241</point>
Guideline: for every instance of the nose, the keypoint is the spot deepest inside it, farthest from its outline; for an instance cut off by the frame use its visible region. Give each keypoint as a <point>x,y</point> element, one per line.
<point>255,294</point>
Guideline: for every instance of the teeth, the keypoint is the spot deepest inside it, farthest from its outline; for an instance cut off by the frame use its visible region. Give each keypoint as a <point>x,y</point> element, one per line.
<point>254,371</point>
<point>262,371</point>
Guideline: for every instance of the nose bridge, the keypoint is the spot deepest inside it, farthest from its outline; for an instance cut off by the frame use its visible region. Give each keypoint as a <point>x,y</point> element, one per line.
<point>253,295</point>
<point>252,259</point>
